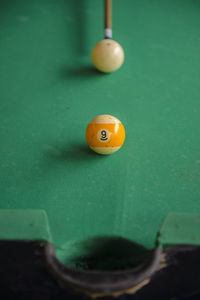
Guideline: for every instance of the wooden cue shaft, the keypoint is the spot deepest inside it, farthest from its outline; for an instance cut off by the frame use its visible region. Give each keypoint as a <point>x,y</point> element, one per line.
<point>108,14</point>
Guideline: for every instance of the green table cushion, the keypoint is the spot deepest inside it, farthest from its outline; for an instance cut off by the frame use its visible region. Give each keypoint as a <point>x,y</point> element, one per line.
<point>180,229</point>
<point>24,225</point>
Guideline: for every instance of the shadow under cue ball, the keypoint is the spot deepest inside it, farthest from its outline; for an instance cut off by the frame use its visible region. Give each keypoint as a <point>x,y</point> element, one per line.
<point>105,134</point>
<point>107,56</point>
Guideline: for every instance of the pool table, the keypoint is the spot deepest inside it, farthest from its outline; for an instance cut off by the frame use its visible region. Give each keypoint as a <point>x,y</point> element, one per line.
<point>49,92</point>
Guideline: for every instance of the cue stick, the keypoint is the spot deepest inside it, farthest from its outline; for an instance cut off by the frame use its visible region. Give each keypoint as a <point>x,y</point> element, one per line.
<point>108,19</point>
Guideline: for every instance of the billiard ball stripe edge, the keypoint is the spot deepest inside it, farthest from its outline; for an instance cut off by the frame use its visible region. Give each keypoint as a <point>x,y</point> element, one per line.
<point>105,150</point>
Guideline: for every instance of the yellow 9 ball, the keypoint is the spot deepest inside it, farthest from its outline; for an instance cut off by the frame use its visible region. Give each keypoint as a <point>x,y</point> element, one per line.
<point>105,134</point>
<point>107,56</point>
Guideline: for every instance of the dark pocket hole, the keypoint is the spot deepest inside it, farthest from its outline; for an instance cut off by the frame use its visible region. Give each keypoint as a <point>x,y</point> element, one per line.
<point>107,253</point>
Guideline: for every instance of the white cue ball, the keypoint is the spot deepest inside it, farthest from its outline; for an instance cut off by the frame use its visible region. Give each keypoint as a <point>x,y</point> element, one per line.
<point>107,56</point>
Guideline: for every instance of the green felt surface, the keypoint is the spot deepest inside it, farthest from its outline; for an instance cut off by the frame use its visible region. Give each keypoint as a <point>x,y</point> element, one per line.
<point>49,92</point>
<point>180,229</point>
<point>24,225</point>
